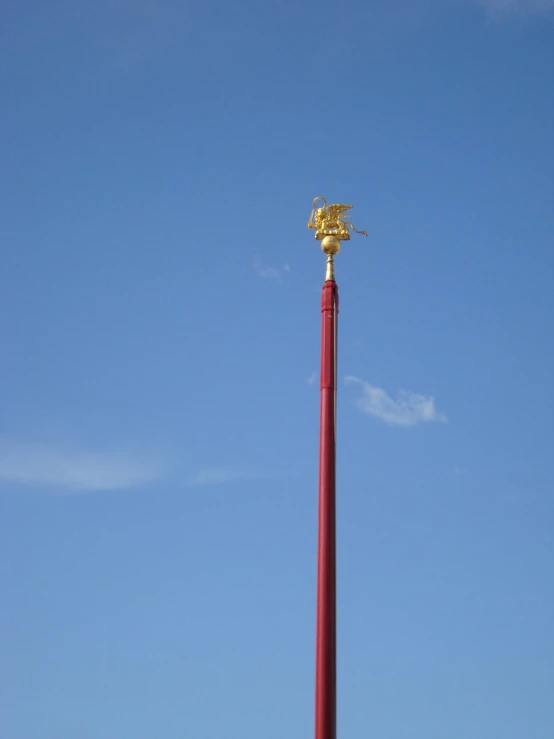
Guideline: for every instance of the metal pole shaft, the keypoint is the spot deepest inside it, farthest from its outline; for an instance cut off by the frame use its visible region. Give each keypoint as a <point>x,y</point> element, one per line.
<point>325,718</point>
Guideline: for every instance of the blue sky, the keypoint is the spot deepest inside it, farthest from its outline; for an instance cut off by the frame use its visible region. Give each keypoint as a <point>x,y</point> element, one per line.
<point>159,310</point>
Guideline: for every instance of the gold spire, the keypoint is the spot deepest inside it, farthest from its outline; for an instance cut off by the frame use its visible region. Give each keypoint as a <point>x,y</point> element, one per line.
<point>330,272</point>
<point>331,227</point>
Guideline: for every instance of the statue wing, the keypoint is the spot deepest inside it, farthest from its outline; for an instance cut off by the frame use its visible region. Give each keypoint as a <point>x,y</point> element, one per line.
<point>336,209</point>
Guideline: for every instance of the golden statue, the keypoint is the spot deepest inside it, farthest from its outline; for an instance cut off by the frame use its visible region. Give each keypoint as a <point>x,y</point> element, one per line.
<point>328,220</point>
<point>331,227</point>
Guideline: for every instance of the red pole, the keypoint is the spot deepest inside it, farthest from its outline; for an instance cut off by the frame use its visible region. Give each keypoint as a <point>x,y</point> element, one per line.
<point>325,702</point>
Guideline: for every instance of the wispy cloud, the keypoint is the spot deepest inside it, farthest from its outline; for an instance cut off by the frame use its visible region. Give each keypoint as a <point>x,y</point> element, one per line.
<point>47,466</point>
<point>408,409</point>
<point>270,273</point>
<point>311,379</point>
<point>503,7</point>
<point>221,475</point>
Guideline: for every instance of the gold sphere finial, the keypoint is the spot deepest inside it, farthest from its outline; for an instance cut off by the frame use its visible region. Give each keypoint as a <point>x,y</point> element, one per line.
<point>330,245</point>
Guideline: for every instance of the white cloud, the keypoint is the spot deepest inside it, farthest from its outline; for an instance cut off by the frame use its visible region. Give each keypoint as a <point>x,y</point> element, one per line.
<point>311,379</point>
<point>43,465</point>
<point>270,273</point>
<point>408,409</point>
<point>220,476</point>
<point>517,6</point>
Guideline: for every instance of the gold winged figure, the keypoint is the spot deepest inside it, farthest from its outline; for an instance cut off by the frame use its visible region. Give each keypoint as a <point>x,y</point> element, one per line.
<point>328,220</point>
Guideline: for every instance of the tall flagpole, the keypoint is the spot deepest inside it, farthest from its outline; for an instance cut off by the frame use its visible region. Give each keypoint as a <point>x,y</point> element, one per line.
<point>331,228</point>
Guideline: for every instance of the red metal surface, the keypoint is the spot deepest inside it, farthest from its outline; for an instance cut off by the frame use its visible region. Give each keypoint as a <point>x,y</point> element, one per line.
<point>325,703</point>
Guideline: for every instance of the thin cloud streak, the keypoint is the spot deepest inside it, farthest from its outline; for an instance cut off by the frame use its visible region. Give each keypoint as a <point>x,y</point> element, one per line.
<point>505,7</point>
<point>41,465</point>
<point>221,476</point>
<point>270,273</point>
<point>408,409</point>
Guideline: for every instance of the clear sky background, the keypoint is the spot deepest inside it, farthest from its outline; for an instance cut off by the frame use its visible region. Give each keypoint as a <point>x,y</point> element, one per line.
<point>159,315</point>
